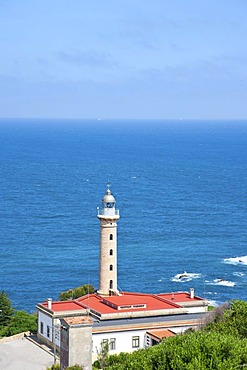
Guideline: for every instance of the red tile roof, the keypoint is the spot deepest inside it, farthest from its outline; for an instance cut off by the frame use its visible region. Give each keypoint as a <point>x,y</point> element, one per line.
<point>59,306</point>
<point>103,304</point>
<point>125,302</point>
<point>179,297</point>
<point>78,320</point>
<point>161,333</point>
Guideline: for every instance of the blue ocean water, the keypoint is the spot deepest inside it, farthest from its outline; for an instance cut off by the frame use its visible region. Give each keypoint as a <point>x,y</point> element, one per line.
<point>180,187</point>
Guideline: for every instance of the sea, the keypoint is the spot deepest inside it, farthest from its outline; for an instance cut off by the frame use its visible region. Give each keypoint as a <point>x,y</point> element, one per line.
<point>180,187</point>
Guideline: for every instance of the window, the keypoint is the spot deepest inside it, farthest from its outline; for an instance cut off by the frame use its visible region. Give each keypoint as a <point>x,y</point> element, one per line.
<point>42,327</point>
<point>111,284</point>
<point>111,236</point>
<point>48,331</point>
<point>104,343</point>
<point>148,341</point>
<point>57,334</point>
<point>111,267</point>
<point>135,342</point>
<point>112,344</point>
<point>111,252</point>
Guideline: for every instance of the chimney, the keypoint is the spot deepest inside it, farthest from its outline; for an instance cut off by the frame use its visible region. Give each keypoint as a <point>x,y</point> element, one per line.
<point>192,293</point>
<point>49,303</point>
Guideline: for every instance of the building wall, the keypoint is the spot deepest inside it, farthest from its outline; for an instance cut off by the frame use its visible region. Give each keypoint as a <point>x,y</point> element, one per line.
<point>45,322</point>
<point>124,341</point>
<point>48,328</point>
<point>76,346</point>
<point>80,346</point>
<point>181,330</point>
<point>198,309</point>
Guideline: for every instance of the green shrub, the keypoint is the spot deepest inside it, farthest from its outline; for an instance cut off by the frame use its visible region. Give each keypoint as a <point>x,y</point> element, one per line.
<point>54,367</point>
<point>221,344</point>
<point>21,322</point>
<point>76,292</point>
<point>6,310</point>
<point>195,351</point>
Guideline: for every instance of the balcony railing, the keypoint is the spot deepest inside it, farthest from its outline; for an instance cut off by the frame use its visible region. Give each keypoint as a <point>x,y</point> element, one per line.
<point>108,212</point>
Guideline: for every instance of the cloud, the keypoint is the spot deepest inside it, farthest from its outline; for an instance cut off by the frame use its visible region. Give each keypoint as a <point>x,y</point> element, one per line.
<point>237,61</point>
<point>90,58</point>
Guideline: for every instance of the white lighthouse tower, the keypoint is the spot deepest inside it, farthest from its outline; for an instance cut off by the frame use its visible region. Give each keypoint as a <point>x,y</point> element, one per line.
<point>108,216</point>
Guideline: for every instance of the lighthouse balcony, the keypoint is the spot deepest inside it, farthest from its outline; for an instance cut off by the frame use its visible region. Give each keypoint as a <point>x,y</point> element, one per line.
<point>108,212</point>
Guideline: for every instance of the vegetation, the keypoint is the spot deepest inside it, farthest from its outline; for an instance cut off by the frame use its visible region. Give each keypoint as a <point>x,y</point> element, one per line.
<point>54,367</point>
<point>6,311</point>
<point>197,351</point>
<point>220,344</point>
<point>57,367</point>
<point>12,321</point>
<point>103,356</point>
<point>76,292</point>
<point>229,319</point>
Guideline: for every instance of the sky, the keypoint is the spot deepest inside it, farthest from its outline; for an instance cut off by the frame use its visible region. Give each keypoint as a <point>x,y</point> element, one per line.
<point>123,59</point>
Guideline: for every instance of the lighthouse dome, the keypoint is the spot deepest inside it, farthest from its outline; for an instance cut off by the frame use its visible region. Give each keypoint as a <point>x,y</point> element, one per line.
<point>108,197</point>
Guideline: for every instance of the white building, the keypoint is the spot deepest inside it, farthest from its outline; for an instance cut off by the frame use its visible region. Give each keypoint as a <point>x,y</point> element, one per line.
<point>127,321</point>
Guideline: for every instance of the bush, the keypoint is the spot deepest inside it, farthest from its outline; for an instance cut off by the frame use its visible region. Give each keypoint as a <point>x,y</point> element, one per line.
<point>229,319</point>
<point>21,322</point>
<point>221,344</point>
<point>54,367</point>
<point>76,292</point>
<point>196,351</point>
<point>6,311</point>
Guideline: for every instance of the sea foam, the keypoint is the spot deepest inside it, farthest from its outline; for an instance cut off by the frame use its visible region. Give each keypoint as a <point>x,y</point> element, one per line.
<point>185,276</point>
<point>236,260</point>
<point>222,282</point>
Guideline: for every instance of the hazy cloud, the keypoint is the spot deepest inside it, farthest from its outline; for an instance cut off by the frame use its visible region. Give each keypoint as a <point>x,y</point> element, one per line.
<point>90,58</point>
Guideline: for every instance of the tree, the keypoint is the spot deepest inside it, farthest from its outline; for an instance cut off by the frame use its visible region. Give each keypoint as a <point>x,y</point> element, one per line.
<point>236,317</point>
<point>229,319</point>
<point>13,322</point>
<point>76,292</point>
<point>21,322</point>
<point>6,310</point>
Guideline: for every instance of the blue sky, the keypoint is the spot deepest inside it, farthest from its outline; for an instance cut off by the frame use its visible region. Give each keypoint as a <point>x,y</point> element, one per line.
<point>123,59</point>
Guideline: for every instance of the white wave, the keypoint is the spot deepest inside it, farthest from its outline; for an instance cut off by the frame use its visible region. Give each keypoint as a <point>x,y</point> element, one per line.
<point>213,303</point>
<point>224,282</point>
<point>185,276</point>
<point>236,260</point>
<point>239,274</point>
<point>211,293</point>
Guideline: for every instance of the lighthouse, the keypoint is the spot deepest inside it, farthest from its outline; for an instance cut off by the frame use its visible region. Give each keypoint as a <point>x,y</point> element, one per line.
<point>108,216</point>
